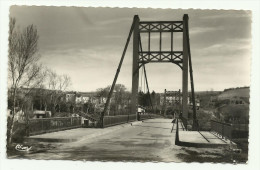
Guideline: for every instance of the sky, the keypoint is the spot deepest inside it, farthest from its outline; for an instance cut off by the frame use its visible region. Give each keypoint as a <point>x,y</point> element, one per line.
<point>87,44</point>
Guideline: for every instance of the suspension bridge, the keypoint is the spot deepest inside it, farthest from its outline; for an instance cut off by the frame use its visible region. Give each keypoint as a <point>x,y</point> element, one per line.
<point>167,129</point>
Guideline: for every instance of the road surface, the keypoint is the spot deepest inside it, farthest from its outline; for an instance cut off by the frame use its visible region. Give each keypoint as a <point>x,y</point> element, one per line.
<point>150,141</point>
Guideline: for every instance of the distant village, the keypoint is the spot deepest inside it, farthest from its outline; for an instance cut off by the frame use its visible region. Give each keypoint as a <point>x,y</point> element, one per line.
<point>44,103</point>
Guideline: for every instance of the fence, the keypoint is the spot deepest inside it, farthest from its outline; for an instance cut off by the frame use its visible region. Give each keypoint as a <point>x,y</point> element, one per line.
<point>148,116</point>
<point>46,125</point>
<point>230,131</point>
<point>118,119</point>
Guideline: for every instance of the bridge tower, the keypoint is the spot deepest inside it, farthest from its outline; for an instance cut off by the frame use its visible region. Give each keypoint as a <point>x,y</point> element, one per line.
<point>140,58</point>
<point>173,99</point>
<point>180,58</point>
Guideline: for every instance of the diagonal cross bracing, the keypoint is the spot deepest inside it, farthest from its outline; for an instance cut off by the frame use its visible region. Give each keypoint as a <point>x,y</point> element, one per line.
<point>163,56</point>
<point>161,26</point>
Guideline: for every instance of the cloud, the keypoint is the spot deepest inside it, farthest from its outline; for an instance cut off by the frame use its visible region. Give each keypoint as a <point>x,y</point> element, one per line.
<point>87,44</point>
<point>229,47</point>
<point>203,30</point>
<point>229,14</point>
<point>114,21</point>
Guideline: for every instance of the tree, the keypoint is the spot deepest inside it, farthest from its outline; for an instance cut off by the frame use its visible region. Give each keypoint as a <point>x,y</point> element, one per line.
<point>56,84</point>
<point>23,69</point>
<point>119,99</point>
<point>102,92</point>
<point>144,99</point>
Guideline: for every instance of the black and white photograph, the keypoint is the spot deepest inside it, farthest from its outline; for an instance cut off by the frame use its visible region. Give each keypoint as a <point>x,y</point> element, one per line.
<point>140,85</point>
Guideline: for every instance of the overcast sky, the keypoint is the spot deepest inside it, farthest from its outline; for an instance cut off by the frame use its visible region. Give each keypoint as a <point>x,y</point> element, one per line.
<point>87,44</point>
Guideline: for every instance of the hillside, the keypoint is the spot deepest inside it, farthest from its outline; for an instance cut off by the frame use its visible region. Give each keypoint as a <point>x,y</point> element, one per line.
<point>238,92</point>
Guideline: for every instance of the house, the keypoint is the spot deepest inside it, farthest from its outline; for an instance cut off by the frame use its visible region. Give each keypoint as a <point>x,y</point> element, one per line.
<point>70,97</point>
<point>85,97</point>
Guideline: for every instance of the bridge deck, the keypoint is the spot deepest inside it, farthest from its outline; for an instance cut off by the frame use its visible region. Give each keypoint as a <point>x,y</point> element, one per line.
<point>190,137</point>
<point>73,135</point>
<point>200,138</point>
<point>150,140</point>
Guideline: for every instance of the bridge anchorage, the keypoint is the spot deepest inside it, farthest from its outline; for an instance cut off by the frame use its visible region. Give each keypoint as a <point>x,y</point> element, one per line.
<point>142,57</point>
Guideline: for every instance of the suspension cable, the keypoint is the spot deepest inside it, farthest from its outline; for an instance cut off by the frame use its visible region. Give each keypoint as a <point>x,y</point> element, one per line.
<point>117,71</point>
<point>141,81</point>
<point>191,72</point>
<point>144,80</point>
<point>141,49</point>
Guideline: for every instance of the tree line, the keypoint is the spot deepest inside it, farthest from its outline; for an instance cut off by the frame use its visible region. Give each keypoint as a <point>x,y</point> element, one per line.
<point>121,99</point>
<point>26,75</point>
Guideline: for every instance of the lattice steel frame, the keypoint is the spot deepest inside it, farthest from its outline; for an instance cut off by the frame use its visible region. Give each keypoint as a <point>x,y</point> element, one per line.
<point>160,56</point>
<point>161,26</point>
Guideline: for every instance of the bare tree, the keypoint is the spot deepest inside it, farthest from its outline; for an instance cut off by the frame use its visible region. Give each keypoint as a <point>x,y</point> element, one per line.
<point>64,83</point>
<point>57,84</point>
<point>23,68</point>
<point>118,99</point>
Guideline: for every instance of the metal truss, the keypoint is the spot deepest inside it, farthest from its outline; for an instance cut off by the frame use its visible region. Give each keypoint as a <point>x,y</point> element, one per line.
<point>161,26</point>
<point>161,56</point>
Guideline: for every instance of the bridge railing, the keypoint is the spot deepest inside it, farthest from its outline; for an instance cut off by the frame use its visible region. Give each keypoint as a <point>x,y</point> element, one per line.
<point>222,129</point>
<point>230,131</point>
<point>118,119</point>
<point>46,125</point>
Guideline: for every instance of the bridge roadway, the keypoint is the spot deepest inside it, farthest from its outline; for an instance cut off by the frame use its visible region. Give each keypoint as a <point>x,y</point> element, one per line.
<point>150,140</point>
